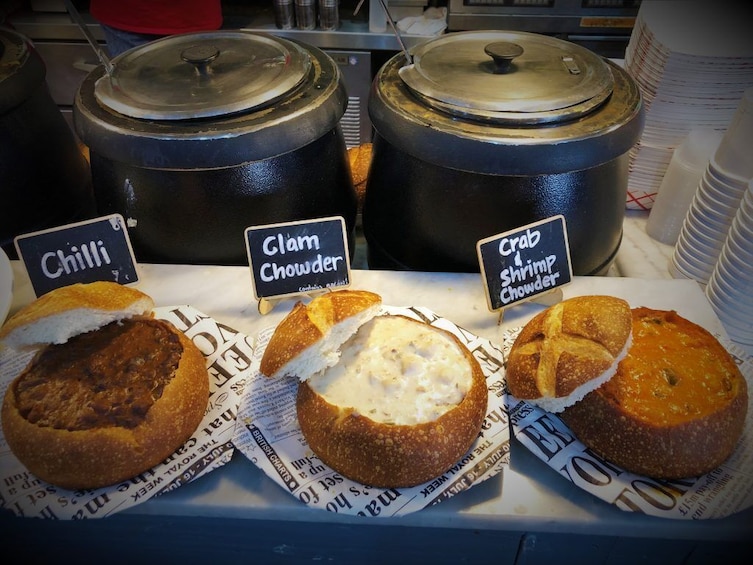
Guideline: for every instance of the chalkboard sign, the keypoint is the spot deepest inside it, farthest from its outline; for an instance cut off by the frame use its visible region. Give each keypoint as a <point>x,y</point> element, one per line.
<point>523,263</point>
<point>298,257</point>
<point>84,252</point>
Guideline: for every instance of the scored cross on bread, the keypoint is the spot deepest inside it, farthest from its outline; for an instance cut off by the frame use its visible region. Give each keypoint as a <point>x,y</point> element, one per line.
<point>568,350</point>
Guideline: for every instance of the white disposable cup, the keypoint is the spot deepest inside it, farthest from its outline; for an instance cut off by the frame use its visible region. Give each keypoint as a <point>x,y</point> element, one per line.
<point>724,179</point>
<point>680,183</point>
<point>733,156</point>
<point>739,329</point>
<point>702,246</point>
<point>730,272</point>
<point>692,267</point>
<point>720,193</point>
<point>724,308</point>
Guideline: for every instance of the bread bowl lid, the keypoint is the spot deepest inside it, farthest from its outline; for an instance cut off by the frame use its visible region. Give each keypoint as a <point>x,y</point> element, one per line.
<point>203,75</point>
<point>508,77</point>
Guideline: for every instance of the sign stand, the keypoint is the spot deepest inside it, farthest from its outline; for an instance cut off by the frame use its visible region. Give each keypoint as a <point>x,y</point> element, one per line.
<point>546,299</point>
<point>527,264</point>
<point>265,305</point>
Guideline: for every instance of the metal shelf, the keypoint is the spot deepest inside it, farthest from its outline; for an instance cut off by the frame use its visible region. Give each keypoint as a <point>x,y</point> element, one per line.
<point>352,35</point>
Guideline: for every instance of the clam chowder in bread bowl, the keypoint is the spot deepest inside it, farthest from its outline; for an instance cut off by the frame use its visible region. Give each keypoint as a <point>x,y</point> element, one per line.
<point>384,400</point>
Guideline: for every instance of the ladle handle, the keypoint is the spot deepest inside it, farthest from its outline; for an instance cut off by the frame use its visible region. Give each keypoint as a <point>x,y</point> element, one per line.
<point>503,52</point>
<point>397,33</point>
<point>101,55</point>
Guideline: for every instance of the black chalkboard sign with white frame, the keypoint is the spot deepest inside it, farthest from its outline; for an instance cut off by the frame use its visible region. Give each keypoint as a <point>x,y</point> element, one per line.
<point>83,252</point>
<point>298,257</point>
<point>525,263</point>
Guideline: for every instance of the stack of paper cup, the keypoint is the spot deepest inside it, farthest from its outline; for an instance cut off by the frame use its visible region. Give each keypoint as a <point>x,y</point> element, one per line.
<point>691,60</point>
<point>717,199</point>
<point>679,185</point>
<point>730,287</point>
<point>734,153</point>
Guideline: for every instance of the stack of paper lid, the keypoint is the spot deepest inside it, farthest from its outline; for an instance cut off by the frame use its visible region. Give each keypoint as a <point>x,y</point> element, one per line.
<point>692,61</point>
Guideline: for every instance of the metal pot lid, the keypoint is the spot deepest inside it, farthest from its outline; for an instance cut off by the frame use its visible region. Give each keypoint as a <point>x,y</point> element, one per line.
<point>201,75</point>
<point>508,77</point>
<point>13,52</point>
<point>21,70</point>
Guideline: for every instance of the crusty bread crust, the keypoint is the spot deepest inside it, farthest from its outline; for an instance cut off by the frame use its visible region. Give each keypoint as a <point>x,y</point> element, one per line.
<point>308,338</point>
<point>676,407</point>
<point>103,456</point>
<point>569,349</point>
<point>387,455</point>
<point>360,161</point>
<point>60,314</point>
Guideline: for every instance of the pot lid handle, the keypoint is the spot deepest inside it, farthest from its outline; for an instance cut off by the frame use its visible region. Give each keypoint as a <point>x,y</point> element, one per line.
<point>204,75</point>
<point>507,77</point>
<point>503,52</point>
<point>201,57</point>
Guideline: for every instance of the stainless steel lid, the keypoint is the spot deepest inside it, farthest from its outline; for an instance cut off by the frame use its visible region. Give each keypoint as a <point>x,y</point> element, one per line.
<point>13,52</point>
<point>202,75</point>
<point>561,108</point>
<point>21,70</point>
<point>269,97</point>
<point>508,77</point>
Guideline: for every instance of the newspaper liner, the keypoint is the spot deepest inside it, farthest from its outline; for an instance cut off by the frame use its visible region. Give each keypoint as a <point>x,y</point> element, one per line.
<point>719,493</point>
<point>267,432</point>
<point>228,357</point>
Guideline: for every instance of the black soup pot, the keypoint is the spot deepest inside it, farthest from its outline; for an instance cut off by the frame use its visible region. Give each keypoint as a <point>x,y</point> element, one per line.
<point>485,132</point>
<point>44,177</point>
<point>195,137</point>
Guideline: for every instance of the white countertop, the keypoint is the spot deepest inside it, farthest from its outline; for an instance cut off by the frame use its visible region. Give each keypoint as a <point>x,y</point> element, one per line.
<point>640,256</point>
<point>529,496</point>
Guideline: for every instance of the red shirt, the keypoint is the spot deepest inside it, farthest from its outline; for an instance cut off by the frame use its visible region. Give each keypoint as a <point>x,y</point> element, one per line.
<point>158,17</point>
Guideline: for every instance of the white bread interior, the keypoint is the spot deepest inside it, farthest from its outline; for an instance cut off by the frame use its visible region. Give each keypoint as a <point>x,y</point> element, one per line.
<point>326,352</point>
<point>65,312</point>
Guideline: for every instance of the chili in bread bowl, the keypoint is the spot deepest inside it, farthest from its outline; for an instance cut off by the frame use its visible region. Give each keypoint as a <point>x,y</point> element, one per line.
<point>110,393</point>
<point>399,403</point>
<point>568,350</point>
<point>676,407</point>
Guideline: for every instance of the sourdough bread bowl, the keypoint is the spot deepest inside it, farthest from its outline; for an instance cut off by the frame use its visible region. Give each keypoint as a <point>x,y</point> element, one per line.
<point>384,400</point>
<point>110,391</point>
<point>676,407</point>
<point>645,389</point>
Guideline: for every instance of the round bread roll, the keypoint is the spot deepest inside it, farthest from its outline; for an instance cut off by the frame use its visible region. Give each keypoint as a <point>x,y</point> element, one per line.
<point>402,402</point>
<point>106,404</point>
<point>360,161</point>
<point>568,350</point>
<point>676,407</point>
